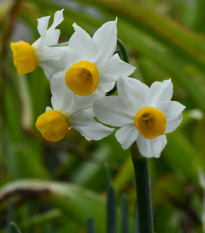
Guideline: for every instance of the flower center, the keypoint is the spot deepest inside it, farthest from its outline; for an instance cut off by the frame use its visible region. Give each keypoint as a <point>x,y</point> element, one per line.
<point>82,78</point>
<point>52,125</point>
<point>150,122</point>
<point>24,56</point>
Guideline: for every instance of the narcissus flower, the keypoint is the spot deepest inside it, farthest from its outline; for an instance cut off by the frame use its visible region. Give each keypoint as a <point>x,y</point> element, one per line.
<point>143,114</point>
<point>69,111</point>
<point>27,57</point>
<point>92,63</point>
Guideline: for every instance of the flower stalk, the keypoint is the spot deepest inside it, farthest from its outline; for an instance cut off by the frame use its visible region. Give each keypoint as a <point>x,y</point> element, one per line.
<point>123,50</point>
<point>144,202</point>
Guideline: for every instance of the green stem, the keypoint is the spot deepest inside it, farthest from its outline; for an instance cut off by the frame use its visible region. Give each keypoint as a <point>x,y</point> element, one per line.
<point>123,50</point>
<point>125,58</point>
<point>144,202</point>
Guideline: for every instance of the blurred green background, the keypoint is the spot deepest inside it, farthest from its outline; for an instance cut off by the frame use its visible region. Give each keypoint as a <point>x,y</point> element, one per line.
<point>56,187</point>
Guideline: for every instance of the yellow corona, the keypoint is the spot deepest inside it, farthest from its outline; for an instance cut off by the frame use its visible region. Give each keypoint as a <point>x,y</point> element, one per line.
<point>25,59</point>
<point>150,122</point>
<point>82,78</point>
<point>52,125</point>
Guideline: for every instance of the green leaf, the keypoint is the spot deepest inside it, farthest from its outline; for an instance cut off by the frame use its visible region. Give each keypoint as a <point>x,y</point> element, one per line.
<point>71,199</point>
<point>124,216</point>
<point>182,157</point>
<point>14,228</point>
<point>41,219</point>
<point>186,43</point>
<point>88,173</point>
<point>10,217</point>
<point>111,210</point>
<point>124,175</point>
<point>90,226</point>
<point>136,222</point>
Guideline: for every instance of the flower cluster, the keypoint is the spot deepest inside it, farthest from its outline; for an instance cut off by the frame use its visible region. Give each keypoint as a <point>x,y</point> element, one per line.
<point>81,73</point>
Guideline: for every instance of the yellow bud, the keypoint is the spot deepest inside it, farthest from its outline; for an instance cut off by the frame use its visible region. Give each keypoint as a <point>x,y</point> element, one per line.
<point>24,56</point>
<point>52,125</point>
<point>150,122</point>
<point>82,78</point>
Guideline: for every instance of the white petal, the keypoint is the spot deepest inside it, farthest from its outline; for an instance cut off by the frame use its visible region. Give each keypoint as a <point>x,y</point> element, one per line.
<point>171,109</point>
<point>58,18</point>
<point>173,124</point>
<point>100,92</point>
<point>160,92</point>
<point>48,36</point>
<point>83,102</point>
<point>48,108</point>
<point>151,147</point>
<point>133,89</point>
<point>105,39</point>
<point>43,25</point>
<point>62,97</point>
<point>65,100</point>
<point>126,135</point>
<point>108,86</point>
<point>82,44</point>
<point>115,68</point>
<point>52,35</point>
<point>114,111</point>
<point>87,127</point>
<point>52,59</point>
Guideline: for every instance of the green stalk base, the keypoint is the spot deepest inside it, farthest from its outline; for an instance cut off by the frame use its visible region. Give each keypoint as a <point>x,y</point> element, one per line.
<point>144,202</point>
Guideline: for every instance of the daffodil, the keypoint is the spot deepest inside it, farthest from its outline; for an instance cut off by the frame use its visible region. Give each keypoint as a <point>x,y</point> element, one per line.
<point>92,63</point>
<point>143,114</point>
<point>27,57</point>
<point>69,111</point>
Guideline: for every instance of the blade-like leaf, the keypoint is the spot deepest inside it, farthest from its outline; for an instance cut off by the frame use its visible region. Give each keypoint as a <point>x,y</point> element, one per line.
<point>136,222</point>
<point>71,199</point>
<point>9,216</point>
<point>14,228</point>
<point>124,216</point>
<point>186,43</point>
<point>111,210</point>
<point>178,150</point>
<point>90,226</point>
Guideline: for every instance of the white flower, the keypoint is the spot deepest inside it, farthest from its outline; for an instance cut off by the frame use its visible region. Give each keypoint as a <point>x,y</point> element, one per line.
<point>69,111</point>
<point>143,114</point>
<point>91,63</point>
<point>27,57</point>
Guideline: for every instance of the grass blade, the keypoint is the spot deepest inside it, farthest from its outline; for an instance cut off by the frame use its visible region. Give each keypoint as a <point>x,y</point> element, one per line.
<point>14,228</point>
<point>69,198</point>
<point>111,210</point>
<point>136,222</point>
<point>124,216</point>
<point>90,226</point>
<point>9,216</point>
